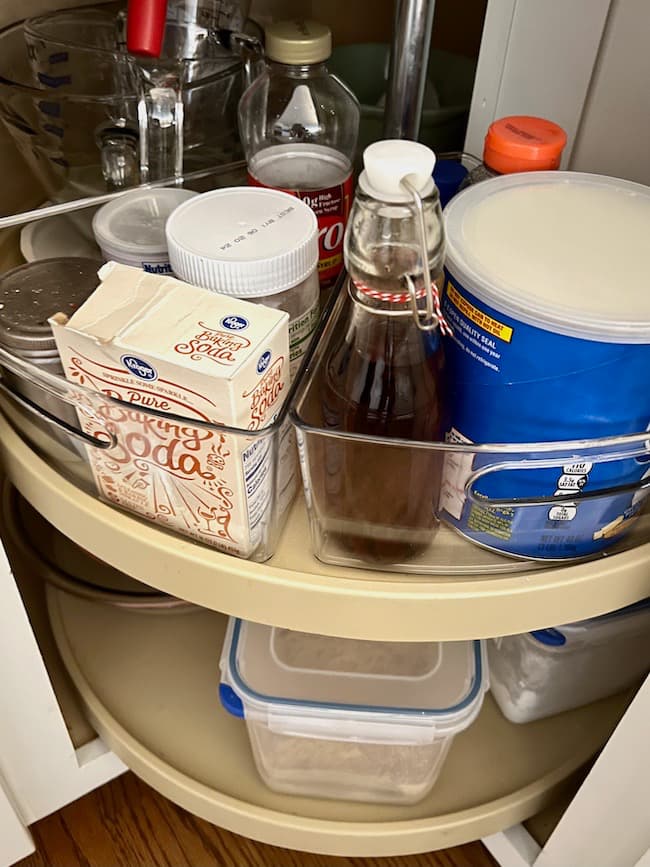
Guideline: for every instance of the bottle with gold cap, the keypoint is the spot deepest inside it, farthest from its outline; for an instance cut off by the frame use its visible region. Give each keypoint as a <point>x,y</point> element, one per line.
<point>299,126</point>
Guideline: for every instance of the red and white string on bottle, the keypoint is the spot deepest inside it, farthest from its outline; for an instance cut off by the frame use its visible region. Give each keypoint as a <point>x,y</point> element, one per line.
<point>406,297</point>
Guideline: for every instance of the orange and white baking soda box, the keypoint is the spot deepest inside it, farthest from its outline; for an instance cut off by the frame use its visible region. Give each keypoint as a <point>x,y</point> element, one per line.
<point>164,345</point>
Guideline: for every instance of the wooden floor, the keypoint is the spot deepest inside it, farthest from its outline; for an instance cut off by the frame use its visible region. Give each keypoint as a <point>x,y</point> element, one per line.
<point>127,824</point>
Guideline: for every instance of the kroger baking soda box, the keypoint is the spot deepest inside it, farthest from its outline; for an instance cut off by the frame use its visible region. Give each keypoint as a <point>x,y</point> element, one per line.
<point>157,343</point>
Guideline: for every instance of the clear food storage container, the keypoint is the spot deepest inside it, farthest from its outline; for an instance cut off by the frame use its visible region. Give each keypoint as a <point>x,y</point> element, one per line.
<point>548,671</point>
<point>380,520</point>
<point>349,719</point>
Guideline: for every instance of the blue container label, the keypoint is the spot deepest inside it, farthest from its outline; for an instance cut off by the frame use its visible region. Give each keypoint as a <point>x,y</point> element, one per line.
<point>513,382</point>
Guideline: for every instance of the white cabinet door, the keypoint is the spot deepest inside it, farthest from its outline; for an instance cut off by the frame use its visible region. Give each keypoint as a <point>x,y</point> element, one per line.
<point>40,769</point>
<point>537,57</point>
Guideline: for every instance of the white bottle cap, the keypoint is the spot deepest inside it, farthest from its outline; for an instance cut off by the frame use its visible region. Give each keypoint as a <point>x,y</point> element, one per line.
<point>387,162</point>
<point>132,227</point>
<point>243,241</point>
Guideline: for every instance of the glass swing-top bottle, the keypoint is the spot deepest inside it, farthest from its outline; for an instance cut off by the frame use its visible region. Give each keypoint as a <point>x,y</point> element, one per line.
<point>383,378</point>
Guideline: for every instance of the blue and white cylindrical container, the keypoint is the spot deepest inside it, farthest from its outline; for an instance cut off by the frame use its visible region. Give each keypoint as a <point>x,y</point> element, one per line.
<point>547,290</point>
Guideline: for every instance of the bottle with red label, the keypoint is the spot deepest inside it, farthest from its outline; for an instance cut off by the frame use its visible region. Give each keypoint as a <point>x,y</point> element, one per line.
<point>299,127</point>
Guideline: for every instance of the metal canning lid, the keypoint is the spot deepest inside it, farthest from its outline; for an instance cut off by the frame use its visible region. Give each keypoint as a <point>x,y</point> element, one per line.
<point>298,42</point>
<point>31,293</point>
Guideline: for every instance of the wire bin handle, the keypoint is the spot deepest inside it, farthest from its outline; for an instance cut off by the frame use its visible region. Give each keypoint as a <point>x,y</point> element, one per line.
<point>570,497</point>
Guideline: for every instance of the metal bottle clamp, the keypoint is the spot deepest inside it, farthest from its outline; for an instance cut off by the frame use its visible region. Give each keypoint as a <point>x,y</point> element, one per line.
<point>431,317</point>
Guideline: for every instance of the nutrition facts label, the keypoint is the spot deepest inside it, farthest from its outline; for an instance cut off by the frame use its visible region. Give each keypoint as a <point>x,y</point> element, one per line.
<point>257,480</point>
<point>572,480</point>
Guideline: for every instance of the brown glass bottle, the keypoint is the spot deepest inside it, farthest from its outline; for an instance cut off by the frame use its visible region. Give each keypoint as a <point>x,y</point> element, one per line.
<point>384,379</point>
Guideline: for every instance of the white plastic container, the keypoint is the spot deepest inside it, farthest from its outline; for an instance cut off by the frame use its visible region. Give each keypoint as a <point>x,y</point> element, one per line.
<point>256,244</point>
<point>349,719</point>
<point>549,671</point>
<point>131,228</point>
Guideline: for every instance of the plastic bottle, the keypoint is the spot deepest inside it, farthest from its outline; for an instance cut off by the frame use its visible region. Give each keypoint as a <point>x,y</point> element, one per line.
<point>384,377</point>
<point>299,127</point>
<point>519,143</point>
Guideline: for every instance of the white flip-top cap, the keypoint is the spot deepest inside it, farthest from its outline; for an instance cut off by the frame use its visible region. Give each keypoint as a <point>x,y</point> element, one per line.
<point>243,241</point>
<point>387,162</point>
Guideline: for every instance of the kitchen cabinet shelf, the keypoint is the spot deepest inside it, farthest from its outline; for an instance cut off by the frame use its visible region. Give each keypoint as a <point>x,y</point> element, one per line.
<point>296,591</point>
<point>149,686</point>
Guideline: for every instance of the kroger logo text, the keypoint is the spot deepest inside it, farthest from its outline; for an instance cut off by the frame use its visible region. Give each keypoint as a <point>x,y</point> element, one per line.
<point>234,323</point>
<point>140,368</point>
<point>264,361</point>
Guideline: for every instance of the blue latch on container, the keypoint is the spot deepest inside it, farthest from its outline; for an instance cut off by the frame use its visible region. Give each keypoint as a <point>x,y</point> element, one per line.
<point>551,637</point>
<point>231,701</point>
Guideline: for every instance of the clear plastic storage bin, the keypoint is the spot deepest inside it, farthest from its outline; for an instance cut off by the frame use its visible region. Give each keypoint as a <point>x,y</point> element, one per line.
<point>349,719</point>
<point>366,495</point>
<point>548,671</point>
<point>40,406</point>
<point>178,459</point>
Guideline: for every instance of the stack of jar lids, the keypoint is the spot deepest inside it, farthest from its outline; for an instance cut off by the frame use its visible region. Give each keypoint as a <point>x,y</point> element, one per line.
<point>31,293</point>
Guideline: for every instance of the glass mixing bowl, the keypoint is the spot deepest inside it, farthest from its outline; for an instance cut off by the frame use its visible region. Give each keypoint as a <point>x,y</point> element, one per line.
<point>89,117</point>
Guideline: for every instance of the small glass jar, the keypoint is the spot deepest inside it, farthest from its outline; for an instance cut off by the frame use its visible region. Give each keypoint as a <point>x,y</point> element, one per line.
<point>256,244</point>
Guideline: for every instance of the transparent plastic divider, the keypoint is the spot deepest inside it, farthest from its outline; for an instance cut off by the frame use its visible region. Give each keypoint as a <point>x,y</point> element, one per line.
<point>50,414</point>
<point>350,527</point>
<point>63,426</point>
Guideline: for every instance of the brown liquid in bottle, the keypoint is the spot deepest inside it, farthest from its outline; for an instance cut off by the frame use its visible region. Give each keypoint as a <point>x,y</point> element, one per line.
<point>383,379</point>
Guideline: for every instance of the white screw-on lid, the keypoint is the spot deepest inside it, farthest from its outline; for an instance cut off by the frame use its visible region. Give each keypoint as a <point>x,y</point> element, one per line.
<point>243,241</point>
<point>134,224</point>
<point>387,162</point>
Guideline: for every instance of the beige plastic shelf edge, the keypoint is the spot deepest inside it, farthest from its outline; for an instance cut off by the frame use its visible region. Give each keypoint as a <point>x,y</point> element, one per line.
<point>294,590</point>
<point>84,634</point>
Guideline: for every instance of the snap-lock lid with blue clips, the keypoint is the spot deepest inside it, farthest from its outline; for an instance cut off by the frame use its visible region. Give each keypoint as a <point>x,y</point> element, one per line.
<point>632,618</point>
<point>338,688</point>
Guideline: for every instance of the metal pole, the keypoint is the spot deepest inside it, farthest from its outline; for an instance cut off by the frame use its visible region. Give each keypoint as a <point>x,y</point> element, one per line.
<point>408,67</point>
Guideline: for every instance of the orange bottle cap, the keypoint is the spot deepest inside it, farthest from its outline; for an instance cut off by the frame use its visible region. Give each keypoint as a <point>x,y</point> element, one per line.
<point>523,144</point>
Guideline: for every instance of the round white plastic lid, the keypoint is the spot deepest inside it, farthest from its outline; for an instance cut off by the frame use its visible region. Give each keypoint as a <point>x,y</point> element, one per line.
<point>283,668</point>
<point>564,251</point>
<point>387,162</point>
<point>243,241</point>
<point>134,223</point>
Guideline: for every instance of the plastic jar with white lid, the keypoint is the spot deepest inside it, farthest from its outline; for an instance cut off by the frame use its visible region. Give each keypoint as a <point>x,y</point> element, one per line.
<point>257,244</point>
<point>131,228</point>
